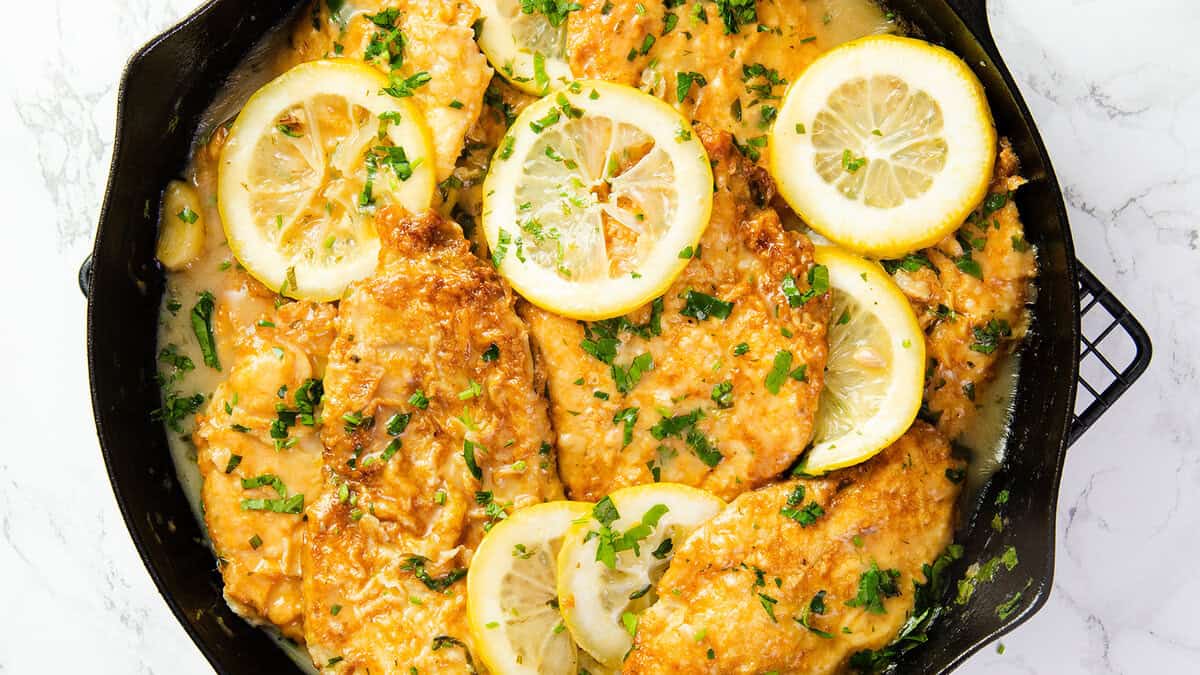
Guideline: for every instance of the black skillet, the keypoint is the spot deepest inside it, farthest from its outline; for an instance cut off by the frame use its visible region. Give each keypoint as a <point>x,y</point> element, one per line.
<point>169,83</point>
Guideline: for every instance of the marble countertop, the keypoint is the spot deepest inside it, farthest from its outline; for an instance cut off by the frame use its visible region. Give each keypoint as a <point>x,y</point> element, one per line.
<point>1116,94</point>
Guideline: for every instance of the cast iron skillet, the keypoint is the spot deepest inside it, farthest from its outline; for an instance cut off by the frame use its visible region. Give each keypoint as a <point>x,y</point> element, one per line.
<point>169,83</point>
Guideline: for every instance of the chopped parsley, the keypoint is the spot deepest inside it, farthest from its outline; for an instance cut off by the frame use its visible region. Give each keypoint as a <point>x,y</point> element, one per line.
<point>491,508</point>
<point>768,604</point>
<point>722,394</point>
<point>701,306</point>
<point>736,13</point>
<point>663,549</point>
<point>366,198</point>
<point>684,426</point>
<point>781,369</point>
<point>548,120</point>
<point>994,203</point>
<point>815,606</point>
<point>540,76</point>
<point>555,11</point>
<point>469,448</point>
<point>293,504</point>
<point>805,514</point>
<point>968,265</point>
<point>396,159</point>
<point>875,586</point>
<point>611,541</point>
<point>670,20</point>
<point>912,262</point>
<point>647,43</point>
<point>305,400</point>
<point>187,215</point>
<point>851,163</point>
<point>175,405</point>
<point>506,147</point>
<point>503,240</point>
<point>630,621</point>
<point>627,377</point>
<point>628,417</point>
<point>387,43</point>
<point>403,87</point>
<point>684,81</point>
<point>473,390</point>
<point>987,337</point>
<point>818,282</point>
<point>397,423</point>
<point>418,400</point>
<point>353,421</point>
<point>416,565</point>
<point>602,339</point>
<point>767,114</point>
<point>984,572</point>
<point>1010,606</point>
<point>202,313</point>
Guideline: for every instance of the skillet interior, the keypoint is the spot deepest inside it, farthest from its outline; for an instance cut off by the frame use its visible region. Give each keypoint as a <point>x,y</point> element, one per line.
<point>165,90</point>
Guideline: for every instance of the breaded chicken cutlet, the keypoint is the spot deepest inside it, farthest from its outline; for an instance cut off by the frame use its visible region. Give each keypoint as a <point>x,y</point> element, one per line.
<point>678,390</point>
<point>435,428</point>
<point>798,576</point>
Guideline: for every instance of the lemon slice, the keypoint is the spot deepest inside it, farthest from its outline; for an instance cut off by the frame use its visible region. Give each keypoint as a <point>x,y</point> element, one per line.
<point>309,160</point>
<point>876,368</point>
<point>884,144</point>
<point>592,198</point>
<point>600,604</point>
<point>528,49</point>
<point>512,597</point>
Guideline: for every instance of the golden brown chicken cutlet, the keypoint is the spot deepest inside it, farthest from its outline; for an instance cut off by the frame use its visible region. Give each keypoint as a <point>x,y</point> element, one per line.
<point>679,389</point>
<point>426,46</point>
<point>717,64</point>
<point>258,448</point>
<point>798,576</point>
<point>970,293</point>
<point>435,428</point>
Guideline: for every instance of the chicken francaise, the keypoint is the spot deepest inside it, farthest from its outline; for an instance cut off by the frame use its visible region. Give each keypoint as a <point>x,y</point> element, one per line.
<point>672,392</point>
<point>699,267</point>
<point>435,429</point>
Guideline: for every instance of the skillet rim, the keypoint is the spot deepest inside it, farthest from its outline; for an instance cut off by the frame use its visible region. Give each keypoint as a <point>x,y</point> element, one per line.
<point>966,12</point>
<point>87,285</point>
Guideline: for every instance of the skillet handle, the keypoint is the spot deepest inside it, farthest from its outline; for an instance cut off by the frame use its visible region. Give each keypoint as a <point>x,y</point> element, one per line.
<point>85,276</point>
<point>974,14</point>
<point>1114,351</point>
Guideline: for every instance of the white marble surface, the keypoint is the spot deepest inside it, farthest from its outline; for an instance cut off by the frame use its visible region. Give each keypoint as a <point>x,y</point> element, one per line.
<point>1115,88</point>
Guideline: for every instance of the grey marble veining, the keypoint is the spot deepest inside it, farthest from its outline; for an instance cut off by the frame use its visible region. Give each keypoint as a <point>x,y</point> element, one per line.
<point>1116,93</point>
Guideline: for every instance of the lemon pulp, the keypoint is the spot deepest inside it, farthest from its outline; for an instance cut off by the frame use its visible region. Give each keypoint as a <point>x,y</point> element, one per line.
<point>309,161</point>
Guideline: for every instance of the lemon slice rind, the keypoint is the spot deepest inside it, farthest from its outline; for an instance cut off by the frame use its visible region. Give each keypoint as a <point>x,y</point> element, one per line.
<point>689,181</point>
<point>875,374</point>
<point>499,40</point>
<point>925,216</point>
<point>594,598</point>
<point>249,236</point>
<point>521,550</point>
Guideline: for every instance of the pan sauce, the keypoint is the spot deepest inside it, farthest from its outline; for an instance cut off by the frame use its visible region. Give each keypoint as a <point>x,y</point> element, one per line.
<point>848,19</point>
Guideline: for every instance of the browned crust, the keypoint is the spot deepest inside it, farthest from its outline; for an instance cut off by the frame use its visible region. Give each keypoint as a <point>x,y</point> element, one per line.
<point>423,322</point>
<point>745,255</point>
<point>956,372</point>
<point>898,507</point>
